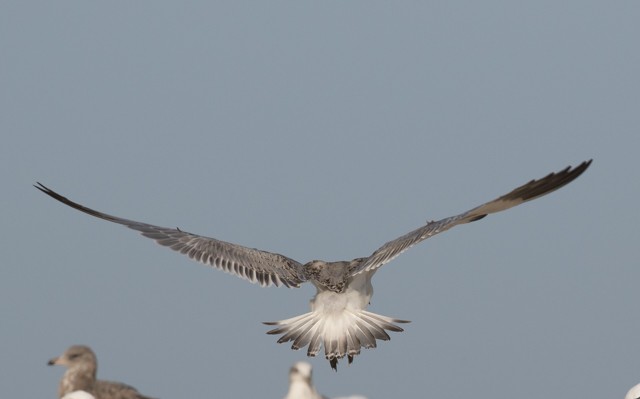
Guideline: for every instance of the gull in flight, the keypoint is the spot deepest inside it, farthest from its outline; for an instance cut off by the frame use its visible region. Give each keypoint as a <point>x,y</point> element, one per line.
<point>79,381</point>
<point>338,319</point>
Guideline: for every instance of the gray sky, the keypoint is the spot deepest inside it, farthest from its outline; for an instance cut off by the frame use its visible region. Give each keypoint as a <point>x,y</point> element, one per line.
<point>320,131</point>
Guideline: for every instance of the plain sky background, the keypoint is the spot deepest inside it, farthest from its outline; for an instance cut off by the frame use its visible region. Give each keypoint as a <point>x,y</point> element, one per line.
<point>321,130</point>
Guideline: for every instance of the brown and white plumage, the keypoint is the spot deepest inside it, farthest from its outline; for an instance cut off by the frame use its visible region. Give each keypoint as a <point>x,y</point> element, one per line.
<point>82,367</point>
<point>338,319</point>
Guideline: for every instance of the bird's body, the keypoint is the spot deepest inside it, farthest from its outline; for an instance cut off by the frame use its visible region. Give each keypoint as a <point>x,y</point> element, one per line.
<point>338,319</point>
<point>81,373</point>
<point>634,393</point>
<point>78,395</point>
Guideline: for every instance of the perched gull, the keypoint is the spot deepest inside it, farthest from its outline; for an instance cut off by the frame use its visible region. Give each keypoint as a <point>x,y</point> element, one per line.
<point>81,366</point>
<point>338,318</point>
<point>78,395</point>
<point>634,393</point>
<point>301,385</point>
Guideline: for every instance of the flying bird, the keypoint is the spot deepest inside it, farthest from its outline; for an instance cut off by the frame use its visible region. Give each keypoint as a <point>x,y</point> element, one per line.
<point>82,366</point>
<point>339,319</point>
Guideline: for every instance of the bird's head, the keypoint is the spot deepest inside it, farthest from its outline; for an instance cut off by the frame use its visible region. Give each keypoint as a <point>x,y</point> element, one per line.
<point>74,356</point>
<point>300,371</point>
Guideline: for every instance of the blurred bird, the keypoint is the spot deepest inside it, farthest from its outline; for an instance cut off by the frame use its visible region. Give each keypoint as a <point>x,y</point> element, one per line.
<point>338,319</point>
<point>634,393</point>
<point>78,395</point>
<point>81,371</point>
<point>301,384</point>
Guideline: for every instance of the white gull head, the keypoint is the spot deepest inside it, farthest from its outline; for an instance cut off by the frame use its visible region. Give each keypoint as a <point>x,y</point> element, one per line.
<point>300,383</point>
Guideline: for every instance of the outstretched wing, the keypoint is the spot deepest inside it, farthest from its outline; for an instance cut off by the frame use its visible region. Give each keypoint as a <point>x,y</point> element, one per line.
<point>265,268</point>
<point>524,193</point>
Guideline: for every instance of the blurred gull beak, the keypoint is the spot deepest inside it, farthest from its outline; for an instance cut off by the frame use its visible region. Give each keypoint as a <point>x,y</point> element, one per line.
<point>54,361</point>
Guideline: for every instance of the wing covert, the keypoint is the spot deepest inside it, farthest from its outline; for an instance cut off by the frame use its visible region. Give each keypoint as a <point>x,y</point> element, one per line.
<point>254,265</point>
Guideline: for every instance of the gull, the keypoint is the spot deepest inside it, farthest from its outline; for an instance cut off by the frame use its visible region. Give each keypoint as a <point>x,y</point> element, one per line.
<point>81,371</point>
<point>78,395</point>
<point>338,319</point>
<point>300,384</point>
<point>634,393</point>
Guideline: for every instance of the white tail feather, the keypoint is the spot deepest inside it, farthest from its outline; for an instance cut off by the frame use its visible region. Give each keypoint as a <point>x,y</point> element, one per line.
<point>341,333</point>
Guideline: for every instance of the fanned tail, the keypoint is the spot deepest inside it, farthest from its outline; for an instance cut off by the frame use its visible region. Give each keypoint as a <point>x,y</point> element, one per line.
<point>341,333</point>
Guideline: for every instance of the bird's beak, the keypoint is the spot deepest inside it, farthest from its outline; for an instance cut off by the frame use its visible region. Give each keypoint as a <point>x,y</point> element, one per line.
<point>54,361</point>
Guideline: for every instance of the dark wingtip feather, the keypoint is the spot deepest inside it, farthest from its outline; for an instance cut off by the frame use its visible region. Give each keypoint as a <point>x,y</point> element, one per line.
<point>549,183</point>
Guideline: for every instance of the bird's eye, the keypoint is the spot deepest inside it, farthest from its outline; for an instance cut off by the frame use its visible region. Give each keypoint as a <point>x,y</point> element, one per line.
<point>73,356</point>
